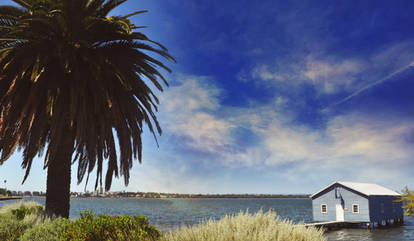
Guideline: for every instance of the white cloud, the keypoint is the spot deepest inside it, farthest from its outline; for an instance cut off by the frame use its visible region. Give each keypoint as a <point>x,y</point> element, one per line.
<point>327,74</point>
<point>188,111</point>
<point>330,73</point>
<point>349,139</point>
<point>352,147</point>
<point>398,58</point>
<point>264,73</point>
<point>194,113</point>
<point>192,93</point>
<point>370,140</point>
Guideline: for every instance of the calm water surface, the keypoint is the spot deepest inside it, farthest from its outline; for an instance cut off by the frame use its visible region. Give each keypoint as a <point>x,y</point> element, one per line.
<point>167,214</point>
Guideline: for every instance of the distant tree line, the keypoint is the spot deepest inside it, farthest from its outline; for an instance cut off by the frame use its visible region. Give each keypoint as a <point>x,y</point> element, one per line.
<point>178,195</point>
<point>4,192</point>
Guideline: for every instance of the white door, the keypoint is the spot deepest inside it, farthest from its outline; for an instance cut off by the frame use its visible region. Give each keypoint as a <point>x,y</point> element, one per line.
<point>339,213</point>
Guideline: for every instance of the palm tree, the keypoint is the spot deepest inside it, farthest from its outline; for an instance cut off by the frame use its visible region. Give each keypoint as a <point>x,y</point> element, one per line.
<point>71,78</point>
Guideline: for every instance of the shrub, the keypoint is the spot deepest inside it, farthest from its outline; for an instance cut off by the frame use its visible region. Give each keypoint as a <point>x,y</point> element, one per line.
<point>10,228</point>
<point>104,227</point>
<point>16,218</point>
<point>244,226</point>
<point>26,221</point>
<point>19,205</point>
<point>408,201</point>
<point>22,211</point>
<point>48,231</point>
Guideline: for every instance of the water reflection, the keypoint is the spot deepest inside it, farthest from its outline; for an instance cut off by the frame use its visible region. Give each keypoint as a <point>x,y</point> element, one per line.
<point>405,232</point>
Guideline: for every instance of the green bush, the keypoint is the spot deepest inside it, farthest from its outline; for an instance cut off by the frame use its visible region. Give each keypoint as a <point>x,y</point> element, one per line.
<point>18,205</point>
<point>26,221</point>
<point>407,198</point>
<point>48,231</point>
<point>22,211</point>
<point>104,227</point>
<point>16,218</point>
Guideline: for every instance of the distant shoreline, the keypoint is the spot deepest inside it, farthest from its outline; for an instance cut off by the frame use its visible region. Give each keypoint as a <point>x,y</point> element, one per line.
<point>190,196</point>
<point>9,198</point>
<point>183,196</point>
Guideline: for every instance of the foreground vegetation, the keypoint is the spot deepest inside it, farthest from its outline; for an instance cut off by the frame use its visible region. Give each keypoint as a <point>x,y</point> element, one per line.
<point>244,226</point>
<point>26,221</point>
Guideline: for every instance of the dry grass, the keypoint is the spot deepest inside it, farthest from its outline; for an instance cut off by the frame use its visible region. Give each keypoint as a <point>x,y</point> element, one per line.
<point>244,226</point>
<point>30,219</point>
<point>9,207</point>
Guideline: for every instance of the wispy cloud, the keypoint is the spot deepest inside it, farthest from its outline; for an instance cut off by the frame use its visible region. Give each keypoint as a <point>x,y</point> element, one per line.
<point>371,85</point>
<point>326,73</point>
<point>330,73</point>
<point>350,138</point>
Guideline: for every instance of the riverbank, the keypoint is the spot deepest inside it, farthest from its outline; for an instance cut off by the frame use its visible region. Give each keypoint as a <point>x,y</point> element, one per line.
<point>185,196</point>
<point>5,198</point>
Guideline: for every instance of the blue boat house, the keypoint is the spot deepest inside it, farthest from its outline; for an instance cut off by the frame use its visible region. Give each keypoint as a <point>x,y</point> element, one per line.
<point>369,205</point>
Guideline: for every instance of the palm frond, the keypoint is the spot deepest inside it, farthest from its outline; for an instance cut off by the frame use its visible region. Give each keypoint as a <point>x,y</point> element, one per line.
<point>26,4</point>
<point>11,11</point>
<point>108,6</point>
<point>134,13</point>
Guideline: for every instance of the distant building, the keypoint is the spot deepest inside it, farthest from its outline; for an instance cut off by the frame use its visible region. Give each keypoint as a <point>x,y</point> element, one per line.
<point>27,193</point>
<point>367,203</point>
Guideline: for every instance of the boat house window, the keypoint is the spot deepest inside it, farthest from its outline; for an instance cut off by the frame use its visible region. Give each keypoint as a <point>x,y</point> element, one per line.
<point>355,208</point>
<point>382,207</point>
<point>324,208</point>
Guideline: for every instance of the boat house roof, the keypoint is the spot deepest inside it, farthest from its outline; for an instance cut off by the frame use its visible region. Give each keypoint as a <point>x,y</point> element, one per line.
<point>367,189</point>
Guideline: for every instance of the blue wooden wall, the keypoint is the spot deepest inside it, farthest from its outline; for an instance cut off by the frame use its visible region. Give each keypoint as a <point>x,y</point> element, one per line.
<point>349,197</point>
<point>384,208</point>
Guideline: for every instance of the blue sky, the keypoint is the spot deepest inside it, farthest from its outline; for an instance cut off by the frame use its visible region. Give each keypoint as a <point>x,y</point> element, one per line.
<point>274,97</point>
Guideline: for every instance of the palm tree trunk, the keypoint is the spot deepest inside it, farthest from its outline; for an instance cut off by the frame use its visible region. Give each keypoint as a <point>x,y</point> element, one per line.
<point>58,177</point>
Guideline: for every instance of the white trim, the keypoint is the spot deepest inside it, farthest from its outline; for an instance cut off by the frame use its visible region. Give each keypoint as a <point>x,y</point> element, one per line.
<point>353,210</point>
<point>368,189</point>
<point>323,189</point>
<point>326,208</point>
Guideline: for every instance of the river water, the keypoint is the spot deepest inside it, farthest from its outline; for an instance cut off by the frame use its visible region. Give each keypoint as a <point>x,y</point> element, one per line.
<point>167,214</point>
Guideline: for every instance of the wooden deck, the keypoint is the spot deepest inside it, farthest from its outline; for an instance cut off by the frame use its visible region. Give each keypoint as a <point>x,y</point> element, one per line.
<point>355,224</point>
<point>336,224</point>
